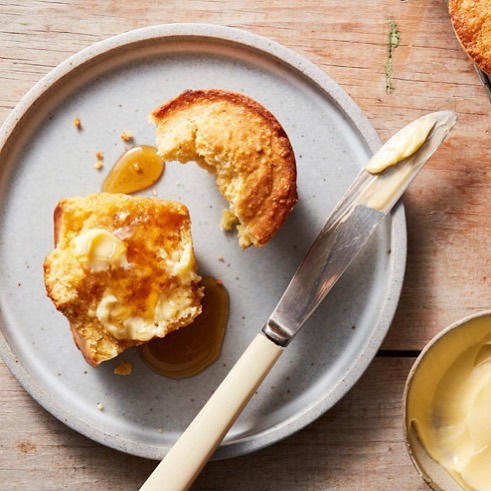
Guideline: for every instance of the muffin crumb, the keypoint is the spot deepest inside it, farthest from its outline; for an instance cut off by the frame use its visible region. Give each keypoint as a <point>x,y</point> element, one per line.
<point>127,136</point>
<point>124,368</point>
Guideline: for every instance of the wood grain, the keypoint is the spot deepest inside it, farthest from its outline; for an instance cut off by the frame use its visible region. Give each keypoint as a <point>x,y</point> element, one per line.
<point>358,445</point>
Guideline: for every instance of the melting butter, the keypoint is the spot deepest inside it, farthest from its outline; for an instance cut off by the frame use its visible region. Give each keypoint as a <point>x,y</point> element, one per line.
<point>100,250</point>
<point>162,307</point>
<point>117,318</point>
<point>451,410</point>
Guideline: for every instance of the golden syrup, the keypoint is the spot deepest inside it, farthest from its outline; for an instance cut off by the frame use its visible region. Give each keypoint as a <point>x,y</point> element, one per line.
<point>137,169</point>
<point>191,349</point>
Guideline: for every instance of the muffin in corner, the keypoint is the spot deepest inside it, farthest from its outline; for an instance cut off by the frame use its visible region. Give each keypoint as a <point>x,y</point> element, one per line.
<point>471,20</point>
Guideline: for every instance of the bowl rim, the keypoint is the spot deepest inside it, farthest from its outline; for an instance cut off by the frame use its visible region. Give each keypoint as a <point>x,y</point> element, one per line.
<point>424,352</point>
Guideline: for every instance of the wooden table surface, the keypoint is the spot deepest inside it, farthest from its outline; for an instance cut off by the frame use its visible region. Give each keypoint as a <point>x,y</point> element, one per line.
<point>358,444</point>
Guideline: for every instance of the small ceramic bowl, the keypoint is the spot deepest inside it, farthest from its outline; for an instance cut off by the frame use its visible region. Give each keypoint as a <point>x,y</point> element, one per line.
<point>433,362</point>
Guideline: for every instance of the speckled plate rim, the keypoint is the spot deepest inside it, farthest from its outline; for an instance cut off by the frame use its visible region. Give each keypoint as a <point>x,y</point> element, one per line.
<point>398,239</point>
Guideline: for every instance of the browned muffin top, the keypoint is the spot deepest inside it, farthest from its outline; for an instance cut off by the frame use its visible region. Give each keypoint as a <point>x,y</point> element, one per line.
<point>471,20</point>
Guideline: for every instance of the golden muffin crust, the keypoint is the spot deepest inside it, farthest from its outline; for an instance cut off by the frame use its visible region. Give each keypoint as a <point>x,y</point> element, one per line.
<point>471,20</point>
<point>123,271</point>
<point>242,143</point>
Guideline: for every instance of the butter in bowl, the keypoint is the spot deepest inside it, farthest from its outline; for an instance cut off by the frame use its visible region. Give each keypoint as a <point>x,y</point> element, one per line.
<point>448,407</point>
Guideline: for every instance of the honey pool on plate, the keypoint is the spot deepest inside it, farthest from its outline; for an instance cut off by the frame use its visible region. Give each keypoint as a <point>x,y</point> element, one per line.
<point>138,168</point>
<point>191,349</point>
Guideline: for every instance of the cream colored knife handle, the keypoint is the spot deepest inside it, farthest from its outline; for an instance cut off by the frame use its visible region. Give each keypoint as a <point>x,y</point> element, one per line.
<point>192,451</point>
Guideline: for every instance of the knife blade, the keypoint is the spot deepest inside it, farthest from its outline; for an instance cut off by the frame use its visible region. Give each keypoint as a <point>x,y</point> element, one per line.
<point>365,205</point>
<point>350,225</point>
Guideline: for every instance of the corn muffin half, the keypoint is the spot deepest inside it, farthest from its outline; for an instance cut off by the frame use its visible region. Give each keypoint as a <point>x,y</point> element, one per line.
<point>123,271</point>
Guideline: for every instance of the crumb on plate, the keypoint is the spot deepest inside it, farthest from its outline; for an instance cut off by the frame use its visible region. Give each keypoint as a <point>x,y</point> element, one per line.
<point>124,368</point>
<point>127,136</point>
<point>77,123</point>
<point>100,406</point>
<point>98,165</point>
<point>99,156</point>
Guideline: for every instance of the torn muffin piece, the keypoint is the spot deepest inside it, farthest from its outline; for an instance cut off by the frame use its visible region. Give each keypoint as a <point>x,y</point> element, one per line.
<point>237,139</point>
<point>123,271</point>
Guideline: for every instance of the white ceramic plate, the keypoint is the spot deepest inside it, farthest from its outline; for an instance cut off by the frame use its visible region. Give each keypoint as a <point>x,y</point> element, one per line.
<point>111,87</point>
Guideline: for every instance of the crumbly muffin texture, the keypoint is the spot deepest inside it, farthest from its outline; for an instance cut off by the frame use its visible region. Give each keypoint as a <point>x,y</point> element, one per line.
<point>242,143</point>
<point>123,271</point>
<point>471,20</point>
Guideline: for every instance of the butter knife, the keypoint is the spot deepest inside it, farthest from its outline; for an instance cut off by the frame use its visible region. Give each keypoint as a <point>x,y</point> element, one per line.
<point>368,201</point>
